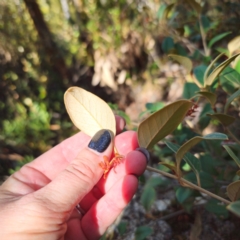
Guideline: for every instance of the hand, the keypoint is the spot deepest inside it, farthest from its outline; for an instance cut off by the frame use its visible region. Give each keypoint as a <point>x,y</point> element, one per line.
<point>39,201</point>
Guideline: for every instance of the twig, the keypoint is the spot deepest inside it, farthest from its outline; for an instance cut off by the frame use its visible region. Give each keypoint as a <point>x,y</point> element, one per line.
<point>189,184</point>
<point>232,135</point>
<point>171,215</point>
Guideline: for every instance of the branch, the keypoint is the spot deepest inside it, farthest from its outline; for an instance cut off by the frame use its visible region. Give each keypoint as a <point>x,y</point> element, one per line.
<point>191,185</point>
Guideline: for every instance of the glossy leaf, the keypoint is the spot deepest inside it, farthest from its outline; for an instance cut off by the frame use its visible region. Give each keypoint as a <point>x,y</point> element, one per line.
<point>230,99</point>
<point>217,38</point>
<point>233,191</point>
<point>161,123</point>
<point>184,61</point>
<point>224,119</point>
<point>211,97</point>
<point>88,112</point>
<point>234,208</point>
<point>192,142</point>
<point>231,76</point>
<point>209,80</point>
<point>194,163</point>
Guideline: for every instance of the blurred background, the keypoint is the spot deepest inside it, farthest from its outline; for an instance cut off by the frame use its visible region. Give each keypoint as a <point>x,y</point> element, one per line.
<point>116,49</point>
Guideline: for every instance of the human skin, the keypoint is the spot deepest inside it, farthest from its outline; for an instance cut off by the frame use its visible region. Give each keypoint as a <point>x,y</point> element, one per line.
<point>39,201</point>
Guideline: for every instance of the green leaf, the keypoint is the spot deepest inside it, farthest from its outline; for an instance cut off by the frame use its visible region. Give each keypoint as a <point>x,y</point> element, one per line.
<point>230,75</point>
<point>234,208</point>
<point>207,181</point>
<point>211,97</point>
<point>217,208</point>
<point>233,191</point>
<point>148,197</point>
<point>224,119</point>
<point>192,142</point>
<point>199,73</point>
<point>161,123</point>
<point>209,80</point>
<point>143,232</point>
<point>184,61</point>
<point>155,181</point>
<point>231,98</point>
<point>167,44</point>
<point>189,90</point>
<point>217,38</point>
<point>122,227</point>
<point>194,163</point>
<point>183,193</point>
<point>153,107</point>
<point>232,154</point>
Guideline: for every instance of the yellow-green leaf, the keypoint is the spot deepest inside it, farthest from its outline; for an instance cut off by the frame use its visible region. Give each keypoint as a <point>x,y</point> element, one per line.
<point>192,142</point>
<point>88,112</point>
<point>234,45</point>
<point>211,97</point>
<point>161,123</point>
<point>224,119</point>
<point>218,70</point>
<point>233,190</point>
<point>184,61</point>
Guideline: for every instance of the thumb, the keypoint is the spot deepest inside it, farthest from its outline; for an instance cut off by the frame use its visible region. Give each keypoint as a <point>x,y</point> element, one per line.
<point>71,185</point>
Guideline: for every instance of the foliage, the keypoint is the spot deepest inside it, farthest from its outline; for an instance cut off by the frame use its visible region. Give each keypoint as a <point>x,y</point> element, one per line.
<point>107,47</point>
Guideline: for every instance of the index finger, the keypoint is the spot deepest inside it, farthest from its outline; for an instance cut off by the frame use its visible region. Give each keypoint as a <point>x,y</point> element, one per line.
<point>57,159</point>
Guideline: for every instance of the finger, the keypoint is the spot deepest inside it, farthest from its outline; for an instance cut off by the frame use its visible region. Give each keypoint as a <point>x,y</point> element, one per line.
<point>105,211</point>
<point>135,164</point>
<point>72,184</point>
<point>58,158</point>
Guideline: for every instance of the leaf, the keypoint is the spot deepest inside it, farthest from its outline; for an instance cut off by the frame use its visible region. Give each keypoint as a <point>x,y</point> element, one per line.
<point>161,123</point>
<point>230,75</point>
<point>183,193</point>
<point>167,44</point>
<point>143,232</point>
<point>148,197</point>
<point>196,228</point>
<point>199,73</point>
<point>217,38</point>
<point>195,5</point>
<point>88,112</point>
<point>211,97</point>
<point>184,61</point>
<point>232,154</point>
<point>206,73</point>
<point>238,173</point>
<point>224,119</point>
<point>233,191</point>
<point>189,90</point>
<point>192,142</point>
<point>231,98</point>
<point>173,168</point>
<point>217,208</point>
<point>234,45</point>
<point>218,70</point>
<point>234,208</point>
<point>194,163</point>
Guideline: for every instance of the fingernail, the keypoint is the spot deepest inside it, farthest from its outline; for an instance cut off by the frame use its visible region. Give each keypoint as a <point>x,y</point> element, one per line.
<point>101,140</point>
<point>145,152</point>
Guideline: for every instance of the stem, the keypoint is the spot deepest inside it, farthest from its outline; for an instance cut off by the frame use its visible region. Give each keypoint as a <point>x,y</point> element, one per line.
<point>232,135</point>
<point>204,42</point>
<point>189,184</point>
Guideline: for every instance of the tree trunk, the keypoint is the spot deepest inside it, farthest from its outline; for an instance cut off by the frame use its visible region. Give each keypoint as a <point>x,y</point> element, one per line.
<point>54,56</point>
